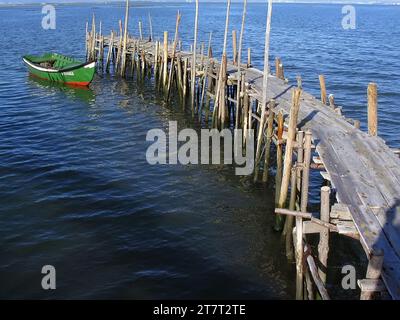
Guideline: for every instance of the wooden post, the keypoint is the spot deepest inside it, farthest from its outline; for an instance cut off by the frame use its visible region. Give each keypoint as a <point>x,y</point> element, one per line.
<point>323,88</point>
<point>140,31</point>
<point>372,109</point>
<point>290,219</point>
<point>248,57</point>
<point>219,106</point>
<point>279,152</point>
<point>306,171</point>
<point>239,62</point>
<point>374,271</point>
<point>300,157</point>
<point>323,246</point>
<point>93,38</point>
<point>205,77</point>
<point>125,38</point>
<point>87,39</point>
<point>178,19</point>
<point>264,89</point>
<point>299,258</point>
<point>165,59</point>
<point>151,28</point>
<point>290,141</point>
<point>156,58</point>
<point>234,46</point>
<point>279,69</point>
<point>193,66</point>
<point>331,99</point>
<point>270,132</point>
<point>110,50</point>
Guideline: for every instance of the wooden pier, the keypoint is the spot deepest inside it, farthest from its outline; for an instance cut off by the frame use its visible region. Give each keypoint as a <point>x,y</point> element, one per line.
<point>362,173</point>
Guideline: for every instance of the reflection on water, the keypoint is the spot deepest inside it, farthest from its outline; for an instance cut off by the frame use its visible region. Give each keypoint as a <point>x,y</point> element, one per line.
<point>82,93</point>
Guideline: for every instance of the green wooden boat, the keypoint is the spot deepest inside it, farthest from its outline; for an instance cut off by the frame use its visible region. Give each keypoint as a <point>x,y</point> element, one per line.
<point>59,68</point>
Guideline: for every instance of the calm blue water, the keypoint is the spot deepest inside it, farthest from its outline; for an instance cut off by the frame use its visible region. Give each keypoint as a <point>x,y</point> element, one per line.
<point>76,191</point>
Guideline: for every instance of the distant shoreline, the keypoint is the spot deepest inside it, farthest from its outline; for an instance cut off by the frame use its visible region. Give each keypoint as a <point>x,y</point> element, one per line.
<point>57,2</point>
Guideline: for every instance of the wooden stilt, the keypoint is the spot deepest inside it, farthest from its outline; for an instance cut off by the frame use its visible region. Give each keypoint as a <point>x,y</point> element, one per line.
<point>165,59</point>
<point>270,131</point>
<point>125,39</point>
<point>306,171</point>
<point>323,246</point>
<point>140,31</point>
<point>290,141</point>
<point>193,66</point>
<point>234,46</point>
<point>264,93</point>
<point>279,153</point>
<point>151,28</point>
<point>170,78</point>
<point>290,219</point>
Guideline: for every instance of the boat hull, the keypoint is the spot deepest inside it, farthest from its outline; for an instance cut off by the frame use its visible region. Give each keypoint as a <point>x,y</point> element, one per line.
<point>80,75</point>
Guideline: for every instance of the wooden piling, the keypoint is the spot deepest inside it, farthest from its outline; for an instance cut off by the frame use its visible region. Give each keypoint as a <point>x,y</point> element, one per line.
<point>151,28</point>
<point>372,109</point>
<point>125,38</point>
<point>165,59</point>
<point>193,66</point>
<point>170,78</point>
<point>323,246</point>
<point>270,132</point>
<point>140,31</point>
<point>248,57</point>
<point>290,141</point>
<point>323,88</point>
<point>279,156</point>
<point>234,47</point>
<point>264,91</point>
<point>290,219</point>
<point>306,171</point>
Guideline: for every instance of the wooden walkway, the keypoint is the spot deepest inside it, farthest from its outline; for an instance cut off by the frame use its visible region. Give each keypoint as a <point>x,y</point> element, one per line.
<point>363,171</point>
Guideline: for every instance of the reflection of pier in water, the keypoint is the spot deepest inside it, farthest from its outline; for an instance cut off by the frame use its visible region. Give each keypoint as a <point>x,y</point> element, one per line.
<point>363,172</point>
